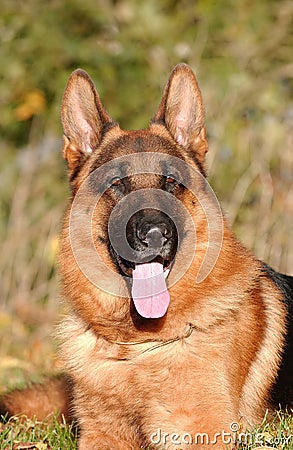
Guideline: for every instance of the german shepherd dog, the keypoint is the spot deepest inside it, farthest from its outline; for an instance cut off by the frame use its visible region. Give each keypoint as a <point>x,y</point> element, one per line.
<point>176,332</point>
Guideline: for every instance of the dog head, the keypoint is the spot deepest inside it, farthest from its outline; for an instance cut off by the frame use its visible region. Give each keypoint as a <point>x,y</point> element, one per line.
<point>133,184</point>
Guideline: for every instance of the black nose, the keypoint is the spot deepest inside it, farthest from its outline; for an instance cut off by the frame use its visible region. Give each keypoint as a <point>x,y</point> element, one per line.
<point>152,231</point>
<point>154,235</point>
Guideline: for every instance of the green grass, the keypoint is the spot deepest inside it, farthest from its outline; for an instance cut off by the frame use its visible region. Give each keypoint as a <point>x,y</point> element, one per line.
<point>277,432</point>
<point>21,434</point>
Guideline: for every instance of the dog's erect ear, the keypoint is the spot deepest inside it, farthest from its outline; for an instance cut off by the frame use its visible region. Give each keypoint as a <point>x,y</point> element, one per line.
<point>182,112</point>
<point>83,119</point>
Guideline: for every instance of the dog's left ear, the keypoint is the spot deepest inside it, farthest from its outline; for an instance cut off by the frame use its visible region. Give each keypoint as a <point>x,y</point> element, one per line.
<point>182,112</point>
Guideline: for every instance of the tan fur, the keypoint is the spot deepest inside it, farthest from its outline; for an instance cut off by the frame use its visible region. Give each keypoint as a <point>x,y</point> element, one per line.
<point>213,358</point>
<point>43,401</point>
<point>197,383</point>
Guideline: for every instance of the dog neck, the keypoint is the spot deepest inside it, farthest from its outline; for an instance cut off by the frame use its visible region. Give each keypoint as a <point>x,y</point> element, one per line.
<point>158,343</point>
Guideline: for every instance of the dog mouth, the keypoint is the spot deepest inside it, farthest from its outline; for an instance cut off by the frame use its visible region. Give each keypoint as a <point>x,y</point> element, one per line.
<point>151,246</point>
<point>127,267</point>
<point>148,281</point>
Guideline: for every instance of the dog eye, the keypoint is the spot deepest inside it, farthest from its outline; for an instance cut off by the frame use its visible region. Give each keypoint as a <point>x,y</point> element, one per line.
<point>170,179</point>
<point>116,181</point>
<point>118,184</point>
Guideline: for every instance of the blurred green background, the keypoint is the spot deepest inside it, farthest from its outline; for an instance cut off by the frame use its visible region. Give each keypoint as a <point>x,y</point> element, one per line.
<point>241,51</point>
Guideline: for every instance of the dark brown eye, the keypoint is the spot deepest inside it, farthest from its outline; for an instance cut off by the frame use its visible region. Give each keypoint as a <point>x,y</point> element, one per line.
<point>170,179</point>
<point>118,185</point>
<point>116,182</point>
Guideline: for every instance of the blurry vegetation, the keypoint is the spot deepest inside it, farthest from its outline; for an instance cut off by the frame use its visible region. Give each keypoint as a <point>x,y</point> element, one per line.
<point>21,434</point>
<point>242,54</point>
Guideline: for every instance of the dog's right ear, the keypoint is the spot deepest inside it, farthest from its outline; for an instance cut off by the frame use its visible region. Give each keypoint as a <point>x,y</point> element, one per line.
<point>83,119</point>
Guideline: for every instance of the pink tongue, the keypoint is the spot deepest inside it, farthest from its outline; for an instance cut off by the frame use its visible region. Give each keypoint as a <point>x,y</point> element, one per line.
<point>149,291</point>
